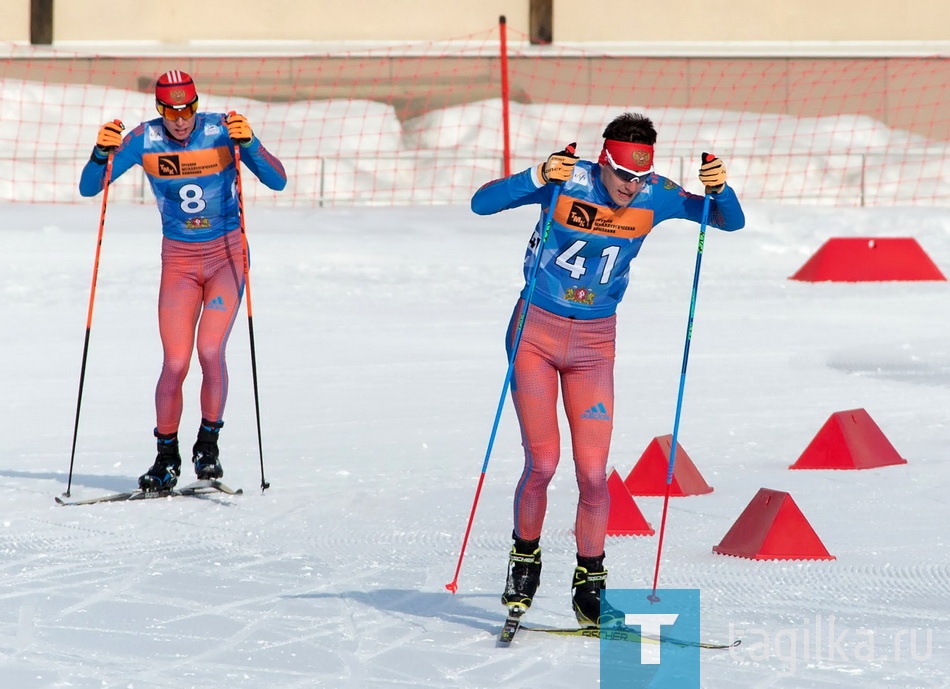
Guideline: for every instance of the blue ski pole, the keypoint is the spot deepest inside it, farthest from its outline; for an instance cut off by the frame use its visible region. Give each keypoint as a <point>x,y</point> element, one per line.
<point>679,397</point>
<point>548,219</point>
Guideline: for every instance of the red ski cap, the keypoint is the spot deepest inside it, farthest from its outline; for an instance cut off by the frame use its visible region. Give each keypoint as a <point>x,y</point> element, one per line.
<point>175,88</point>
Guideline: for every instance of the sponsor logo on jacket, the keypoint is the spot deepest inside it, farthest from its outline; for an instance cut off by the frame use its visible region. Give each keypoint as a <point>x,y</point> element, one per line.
<point>626,223</point>
<point>581,215</point>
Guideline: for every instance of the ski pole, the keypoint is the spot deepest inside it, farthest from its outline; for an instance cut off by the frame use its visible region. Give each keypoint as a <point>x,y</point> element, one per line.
<point>704,221</point>
<point>549,218</point>
<point>106,180</point>
<point>250,309</point>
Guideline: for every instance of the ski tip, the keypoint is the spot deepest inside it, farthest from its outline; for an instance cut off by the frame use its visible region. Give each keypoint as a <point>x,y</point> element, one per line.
<point>217,485</point>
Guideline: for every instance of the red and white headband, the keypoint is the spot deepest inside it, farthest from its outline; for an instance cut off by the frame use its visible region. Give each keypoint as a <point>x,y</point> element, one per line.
<point>624,156</point>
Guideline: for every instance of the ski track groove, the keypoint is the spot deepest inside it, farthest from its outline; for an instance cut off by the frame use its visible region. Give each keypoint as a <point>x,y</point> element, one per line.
<point>64,567</point>
<point>113,663</point>
<point>111,590</point>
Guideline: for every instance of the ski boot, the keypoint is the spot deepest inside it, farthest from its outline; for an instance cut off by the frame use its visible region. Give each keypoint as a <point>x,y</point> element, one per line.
<point>590,578</point>
<point>524,575</point>
<point>167,467</point>
<point>205,451</point>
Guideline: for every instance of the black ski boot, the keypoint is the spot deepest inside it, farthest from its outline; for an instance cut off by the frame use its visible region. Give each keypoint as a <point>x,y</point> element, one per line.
<point>590,578</point>
<point>205,451</point>
<point>524,575</point>
<point>167,467</point>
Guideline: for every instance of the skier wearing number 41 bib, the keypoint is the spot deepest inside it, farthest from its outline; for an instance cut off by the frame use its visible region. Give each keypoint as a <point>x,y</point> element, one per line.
<point>603,213</point>
<point>188,158</point>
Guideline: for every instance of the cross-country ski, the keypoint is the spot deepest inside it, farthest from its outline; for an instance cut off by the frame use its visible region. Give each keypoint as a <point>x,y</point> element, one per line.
<point>198,488</point>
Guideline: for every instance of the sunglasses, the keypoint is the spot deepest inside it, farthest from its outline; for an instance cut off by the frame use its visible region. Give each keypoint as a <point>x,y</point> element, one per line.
<point>628,176</point>
<point>176,112</point>
<point>623,173</point>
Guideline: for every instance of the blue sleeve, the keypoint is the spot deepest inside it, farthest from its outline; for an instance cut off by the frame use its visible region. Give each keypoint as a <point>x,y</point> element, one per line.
<point>520,189</point>
<point>265,165</point>
<point>94,171</point>
<point>725,212</point>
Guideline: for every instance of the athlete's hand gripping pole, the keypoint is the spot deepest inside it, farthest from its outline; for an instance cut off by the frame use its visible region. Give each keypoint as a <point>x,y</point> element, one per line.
<point>704,221</point>
<point>116,126</point>
<point>250,308</point>
<point>559,166</point>
<point>548,219</point>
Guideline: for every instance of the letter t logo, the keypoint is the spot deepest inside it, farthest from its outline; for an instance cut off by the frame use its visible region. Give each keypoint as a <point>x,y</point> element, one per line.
<point>649,627</point>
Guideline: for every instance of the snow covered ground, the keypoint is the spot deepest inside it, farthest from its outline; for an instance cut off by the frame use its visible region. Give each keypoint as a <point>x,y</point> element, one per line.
<point>379,340</point>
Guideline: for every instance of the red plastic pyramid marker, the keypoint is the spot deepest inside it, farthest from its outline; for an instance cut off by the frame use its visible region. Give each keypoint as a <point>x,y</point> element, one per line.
<point>849,440</point>
<point>869,259</point>
<point>772,528</point>
<point>648,476</point>
<point>624,518</point>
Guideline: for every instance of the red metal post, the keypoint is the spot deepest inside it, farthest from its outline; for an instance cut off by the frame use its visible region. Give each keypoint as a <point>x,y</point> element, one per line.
<point>505,93</point>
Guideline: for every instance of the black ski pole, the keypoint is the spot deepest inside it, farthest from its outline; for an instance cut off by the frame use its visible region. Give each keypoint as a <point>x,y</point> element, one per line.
<point>92,299</point>
<point>250,312</point>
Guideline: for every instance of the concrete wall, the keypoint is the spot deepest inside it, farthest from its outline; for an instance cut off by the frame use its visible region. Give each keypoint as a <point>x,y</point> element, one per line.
<point>593,20</point>
<point>753,20</point>
<point>15,20</point>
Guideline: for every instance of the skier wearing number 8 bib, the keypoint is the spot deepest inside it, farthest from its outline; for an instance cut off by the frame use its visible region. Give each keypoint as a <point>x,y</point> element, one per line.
<point>188,158</point>
<point>602,214</point>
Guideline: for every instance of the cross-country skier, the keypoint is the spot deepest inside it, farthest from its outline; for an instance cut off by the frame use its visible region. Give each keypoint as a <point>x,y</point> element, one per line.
<point>188,158</point>
<point>604,213</point>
